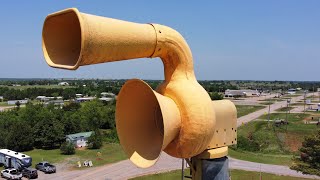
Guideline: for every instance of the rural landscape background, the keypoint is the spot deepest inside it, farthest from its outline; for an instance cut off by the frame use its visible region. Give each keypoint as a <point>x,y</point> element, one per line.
<point>38,127</point>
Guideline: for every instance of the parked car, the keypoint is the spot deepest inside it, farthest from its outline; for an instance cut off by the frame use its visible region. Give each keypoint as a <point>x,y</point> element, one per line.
<point>30,173</point>
<point>46,167</point>
<point>11,173</point>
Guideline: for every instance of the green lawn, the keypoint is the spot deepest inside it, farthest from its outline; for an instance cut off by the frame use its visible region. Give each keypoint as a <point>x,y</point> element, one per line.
<point>284,109</point>
<point>110,153</point>
<point>246,109</point>
<point>267,103</point>
<point>5,103</point>
<point>271,100</point>
<point>297,104</point>
<point>235,175</point>
<point>277,144</point>
<point>279,159</point>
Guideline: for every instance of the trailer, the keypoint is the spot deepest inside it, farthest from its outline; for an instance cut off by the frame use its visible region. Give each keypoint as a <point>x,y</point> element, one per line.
<point>12,159</point>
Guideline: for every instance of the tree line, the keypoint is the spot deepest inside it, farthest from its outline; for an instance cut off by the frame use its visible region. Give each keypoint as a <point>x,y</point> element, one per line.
<point>22,129</point>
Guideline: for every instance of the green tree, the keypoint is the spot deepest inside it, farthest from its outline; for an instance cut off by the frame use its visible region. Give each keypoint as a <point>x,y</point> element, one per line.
<point>18,104</point>
<point>67,148</point>
<point>309,160</point>
<point>216,96</point>
<point>48,131</point>
<point>95,140</point>
<point>19,137</point>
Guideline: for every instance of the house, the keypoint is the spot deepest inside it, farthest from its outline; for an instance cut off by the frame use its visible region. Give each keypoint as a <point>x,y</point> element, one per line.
<point>241,93</point>
<point>79,95</point>
<point>1,98</point>
<point>57,103</point>
<point>291,91</point>
<point>106,99</point>
<point>79,139</point>
<point>63,84</point>
<point>45,98</point>
<point>84,99</point>
<point>13,102</point>
<point>106,94</point>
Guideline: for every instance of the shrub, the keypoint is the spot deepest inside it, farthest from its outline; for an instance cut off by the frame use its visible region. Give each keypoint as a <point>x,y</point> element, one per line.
<point>216,96</point>
<point>67,148</point>
<point>247,144</point>
<point>95,140</point>
<point>309,161</point>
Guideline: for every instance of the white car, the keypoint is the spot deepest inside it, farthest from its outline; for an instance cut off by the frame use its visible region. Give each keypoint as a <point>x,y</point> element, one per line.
<point>11,174</point>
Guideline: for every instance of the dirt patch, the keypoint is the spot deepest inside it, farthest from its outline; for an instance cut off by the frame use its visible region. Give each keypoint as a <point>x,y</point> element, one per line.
<point>293,141</point>
<point>67,164</point>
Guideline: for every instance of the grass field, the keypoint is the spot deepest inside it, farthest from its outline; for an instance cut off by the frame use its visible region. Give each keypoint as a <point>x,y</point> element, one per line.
<point>278,144</point>
<point>271,100</point>
<point>297,104</point>
<point>284,109</point>
<point>235,175</point>
<point>110,153</point>
<point>5,104</point>
<point>267,103</point>
<point>246,109</point>
<point>279,159</point>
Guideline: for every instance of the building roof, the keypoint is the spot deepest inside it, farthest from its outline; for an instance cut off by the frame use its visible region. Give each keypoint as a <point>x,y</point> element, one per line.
<point>106,99</point>
<point>107,94</point>
<point>85,98</point>
<point>13,154</point>
<point>78,135</point>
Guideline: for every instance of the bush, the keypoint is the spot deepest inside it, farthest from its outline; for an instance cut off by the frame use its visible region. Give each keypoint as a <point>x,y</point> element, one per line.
<point>309,161</point>
<point>216,96</point>
<point>247,144</point>
<point>111,136</point>
<point>67,148</point>
<point>95,140</point>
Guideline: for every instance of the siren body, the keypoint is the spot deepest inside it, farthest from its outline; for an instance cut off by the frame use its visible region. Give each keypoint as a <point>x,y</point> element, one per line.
<point>178,117</point>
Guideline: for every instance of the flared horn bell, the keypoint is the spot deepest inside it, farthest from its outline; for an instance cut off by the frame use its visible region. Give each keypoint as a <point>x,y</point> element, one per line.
<point>146,122</point>
<point>71,39</point>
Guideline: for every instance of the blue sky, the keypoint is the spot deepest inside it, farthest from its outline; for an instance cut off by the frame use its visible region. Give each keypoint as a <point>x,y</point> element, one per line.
<point>243,40</point>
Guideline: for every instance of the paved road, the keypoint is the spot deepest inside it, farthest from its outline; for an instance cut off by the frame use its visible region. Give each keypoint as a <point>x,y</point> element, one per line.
<point>125,169</point>
<point>273,107</point>
<point>267,168</point>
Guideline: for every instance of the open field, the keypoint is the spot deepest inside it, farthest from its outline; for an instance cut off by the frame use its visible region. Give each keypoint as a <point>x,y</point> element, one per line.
<point>279,159</point>
<point>284,109</point>
<point>277,144</point>
<point>235,175</point>
<point>246,109</point>
<point>5,104</point>
<point>267,103</point>
<point>271,100</point>
<point>110,153</point>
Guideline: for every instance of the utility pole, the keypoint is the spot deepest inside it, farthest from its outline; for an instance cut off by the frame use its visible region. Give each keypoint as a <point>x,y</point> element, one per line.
<point>182,172</point>
<point>287,110</point>
<point>304,102</point>
<point>269,112</point>
<point>313,93</point>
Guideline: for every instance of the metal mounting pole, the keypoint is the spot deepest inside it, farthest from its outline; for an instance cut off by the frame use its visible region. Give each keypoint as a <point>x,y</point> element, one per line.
<point>212,169</point>
<point>182,169</point>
